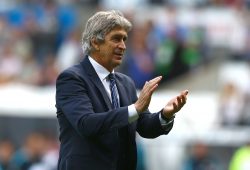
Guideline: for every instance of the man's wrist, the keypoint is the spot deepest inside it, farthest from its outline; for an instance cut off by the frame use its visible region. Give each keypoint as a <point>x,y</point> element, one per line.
<point>165,122</point>
<point>132,113</point>
<point>137,108</point>
<point>166,118</point>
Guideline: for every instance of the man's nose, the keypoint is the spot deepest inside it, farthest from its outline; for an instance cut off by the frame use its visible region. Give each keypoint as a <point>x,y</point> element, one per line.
<point>122,45</point>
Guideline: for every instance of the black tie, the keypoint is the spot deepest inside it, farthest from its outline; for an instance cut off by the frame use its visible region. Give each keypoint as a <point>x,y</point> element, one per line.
<point>114,95</point>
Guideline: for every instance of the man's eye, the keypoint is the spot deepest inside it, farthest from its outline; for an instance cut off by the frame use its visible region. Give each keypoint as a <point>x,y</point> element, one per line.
<point>119,38</point>
<point>116,39</point>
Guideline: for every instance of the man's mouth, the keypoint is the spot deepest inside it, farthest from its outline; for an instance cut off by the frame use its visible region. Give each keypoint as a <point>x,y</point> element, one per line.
<point>119,54</point>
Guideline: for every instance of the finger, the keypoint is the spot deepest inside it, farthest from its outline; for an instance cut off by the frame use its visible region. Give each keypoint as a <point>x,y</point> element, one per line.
<point>180,101</point>
<point>154,88</point>
<point>185,92</point>
<point>184,95</point>
<point>155,80</point>
<point>175,105</point>
<point>149,91</point>
<point>183,99</point>
<point>145,84</point>
<point>150,86</point>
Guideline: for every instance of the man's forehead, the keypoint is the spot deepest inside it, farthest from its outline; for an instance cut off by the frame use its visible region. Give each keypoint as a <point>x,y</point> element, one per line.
<point>118,31</point>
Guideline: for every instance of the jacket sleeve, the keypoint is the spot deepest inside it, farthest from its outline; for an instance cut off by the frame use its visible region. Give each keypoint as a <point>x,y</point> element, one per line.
<point>148,124</point>
<point>72,100</point>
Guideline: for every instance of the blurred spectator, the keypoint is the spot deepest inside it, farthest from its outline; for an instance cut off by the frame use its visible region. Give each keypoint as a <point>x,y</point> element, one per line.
<point>165,33</point>
<point>48,72</point>
<point>30,72</point>
<point>50,155</point>
<point>231,105</point>
<point>10,64</point>
<point>168,56</point>
<point>123,5</point>
<point>42,26</point>
<point>4,30</point>
<point>140,59</point>
<point>21,43</point>
<point>241,159</point>
<point>201,159</point>
<point>192,44</point>
<point>69,52</point>
<point>164,57</point>
<point>67,21</point>
<point>6,151</point>
<point>245,120</point>
<point>31,151</point>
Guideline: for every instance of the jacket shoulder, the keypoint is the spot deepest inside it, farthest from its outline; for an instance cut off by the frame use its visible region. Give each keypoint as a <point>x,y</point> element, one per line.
<point>124,77</point>
<point>127,81</point>
<point>75,70</point>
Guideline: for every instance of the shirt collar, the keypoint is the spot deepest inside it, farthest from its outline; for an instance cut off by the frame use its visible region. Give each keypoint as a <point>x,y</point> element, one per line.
<point>101,71</point>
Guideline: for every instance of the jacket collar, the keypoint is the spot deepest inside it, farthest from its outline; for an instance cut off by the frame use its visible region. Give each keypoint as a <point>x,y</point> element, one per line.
<point>87,66</point>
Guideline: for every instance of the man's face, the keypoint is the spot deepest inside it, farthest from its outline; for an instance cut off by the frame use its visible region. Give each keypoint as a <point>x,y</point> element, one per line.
<point>112,50</point>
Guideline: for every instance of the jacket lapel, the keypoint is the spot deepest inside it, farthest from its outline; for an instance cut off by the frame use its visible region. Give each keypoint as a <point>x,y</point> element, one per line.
<point>96,80</point>
<point>124,101</point>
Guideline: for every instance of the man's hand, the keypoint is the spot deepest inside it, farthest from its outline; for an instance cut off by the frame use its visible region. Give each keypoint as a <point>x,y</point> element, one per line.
<point>175,104</point>
<point>145,96</point>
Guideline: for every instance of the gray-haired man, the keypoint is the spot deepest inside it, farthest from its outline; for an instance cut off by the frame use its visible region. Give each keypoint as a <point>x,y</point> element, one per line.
<point>97,108</point>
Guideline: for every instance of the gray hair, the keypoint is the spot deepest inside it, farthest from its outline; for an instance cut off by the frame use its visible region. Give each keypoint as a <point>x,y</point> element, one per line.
<point>100,24</point>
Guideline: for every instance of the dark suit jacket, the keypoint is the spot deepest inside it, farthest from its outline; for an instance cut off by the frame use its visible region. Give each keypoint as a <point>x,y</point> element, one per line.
<point>89,127</point>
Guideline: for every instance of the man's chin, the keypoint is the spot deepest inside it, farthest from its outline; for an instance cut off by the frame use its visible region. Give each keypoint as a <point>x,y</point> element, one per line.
<point>117,63</point>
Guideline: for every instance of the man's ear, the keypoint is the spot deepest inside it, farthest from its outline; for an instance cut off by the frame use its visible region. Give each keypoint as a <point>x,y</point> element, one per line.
<point>95,44</point>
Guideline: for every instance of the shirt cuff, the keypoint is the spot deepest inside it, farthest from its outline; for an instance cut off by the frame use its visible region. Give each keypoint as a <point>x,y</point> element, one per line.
<point>165,123</point>
<point>132,113</point>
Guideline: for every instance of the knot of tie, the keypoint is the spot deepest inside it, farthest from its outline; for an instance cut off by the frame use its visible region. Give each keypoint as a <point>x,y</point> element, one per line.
<point>112,85</point>
<point>111,77</point>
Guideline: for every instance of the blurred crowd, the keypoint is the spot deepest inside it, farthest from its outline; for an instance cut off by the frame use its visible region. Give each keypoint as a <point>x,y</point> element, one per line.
<point>202,157</point>
<point>39,151</point>
<point>33,35</point>
<point>40,38</point>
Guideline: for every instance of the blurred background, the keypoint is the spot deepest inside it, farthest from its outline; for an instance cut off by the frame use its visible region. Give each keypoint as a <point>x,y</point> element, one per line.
<point>200,45</point>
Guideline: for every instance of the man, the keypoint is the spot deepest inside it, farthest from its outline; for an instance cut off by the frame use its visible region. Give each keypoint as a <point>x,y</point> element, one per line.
<point>99,112</point>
